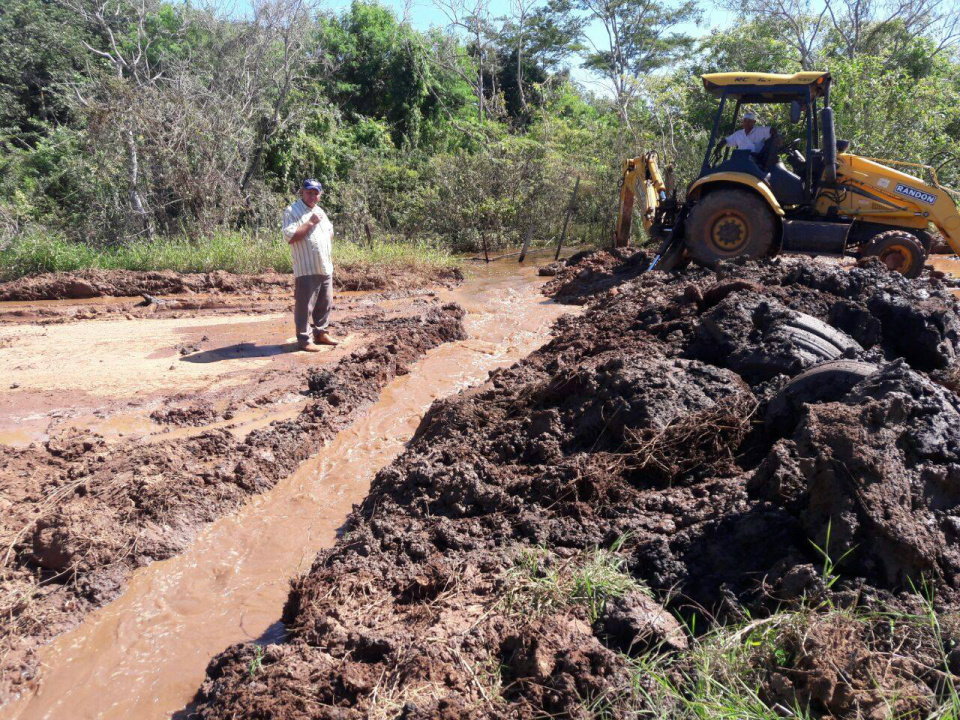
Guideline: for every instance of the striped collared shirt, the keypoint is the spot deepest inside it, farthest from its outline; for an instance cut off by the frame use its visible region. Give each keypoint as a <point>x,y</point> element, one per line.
<point>312,255</point>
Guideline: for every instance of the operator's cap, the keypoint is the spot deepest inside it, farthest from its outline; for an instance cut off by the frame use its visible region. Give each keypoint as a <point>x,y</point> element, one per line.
<point>750,115</point>
<point>311,184</point>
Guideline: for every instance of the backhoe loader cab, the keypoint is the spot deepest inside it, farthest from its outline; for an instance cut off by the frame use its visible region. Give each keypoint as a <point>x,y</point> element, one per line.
<point>808,195</point>
<point>803,92</point>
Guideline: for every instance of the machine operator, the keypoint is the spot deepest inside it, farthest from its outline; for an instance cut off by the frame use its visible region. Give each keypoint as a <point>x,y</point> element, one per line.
<point>750,136</point>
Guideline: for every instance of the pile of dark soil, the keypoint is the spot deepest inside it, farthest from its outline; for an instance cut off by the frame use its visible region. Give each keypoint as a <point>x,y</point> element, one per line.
<point>589,272</point>
<point>713,436</point>
<point>79,515</point>
<point>84,284</point>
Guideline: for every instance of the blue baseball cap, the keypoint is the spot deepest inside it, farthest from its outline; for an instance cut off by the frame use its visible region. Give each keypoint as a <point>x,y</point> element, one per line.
<point>310,184</point>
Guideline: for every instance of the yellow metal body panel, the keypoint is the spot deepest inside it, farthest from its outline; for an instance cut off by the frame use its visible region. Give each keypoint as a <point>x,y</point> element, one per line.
<point>740,178</point>
<point>716,82</point>
<point>873,192</point>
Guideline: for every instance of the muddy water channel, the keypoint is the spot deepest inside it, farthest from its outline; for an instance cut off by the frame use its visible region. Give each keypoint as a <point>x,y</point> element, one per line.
<point>143,655</point>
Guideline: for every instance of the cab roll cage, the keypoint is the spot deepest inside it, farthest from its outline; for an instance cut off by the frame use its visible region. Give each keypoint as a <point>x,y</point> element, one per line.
<point>760,94</point>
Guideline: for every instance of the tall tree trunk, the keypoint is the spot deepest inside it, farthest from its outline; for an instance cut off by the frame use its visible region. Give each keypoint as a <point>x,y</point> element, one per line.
<point>133,177</point>
<point>480,86</point>
<point>523,97</point>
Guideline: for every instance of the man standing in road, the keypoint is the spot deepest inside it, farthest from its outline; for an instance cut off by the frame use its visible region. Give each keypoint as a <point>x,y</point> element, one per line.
<point>310,234</point>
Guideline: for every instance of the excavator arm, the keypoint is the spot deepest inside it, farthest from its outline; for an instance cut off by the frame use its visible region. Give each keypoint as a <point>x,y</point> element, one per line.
<point>641,179</point>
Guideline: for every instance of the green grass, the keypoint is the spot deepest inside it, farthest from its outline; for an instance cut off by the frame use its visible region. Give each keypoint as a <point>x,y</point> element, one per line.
<point>539,583</point>
<point>718,675</point>
<point>234,252</point>
<point>721,674</point>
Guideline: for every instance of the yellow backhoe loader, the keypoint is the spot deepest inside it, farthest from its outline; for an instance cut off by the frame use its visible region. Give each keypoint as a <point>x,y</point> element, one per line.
<point>751,204</point>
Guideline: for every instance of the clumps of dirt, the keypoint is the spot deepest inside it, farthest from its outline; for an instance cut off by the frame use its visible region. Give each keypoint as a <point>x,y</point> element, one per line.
<point>80,515</point>
<point>590,272</point>
<point>875,476</point>
<point>195,414</point>
<point>847,667</point>
<point>636,438</point>
<point>83,284</point>
<point>322,382</point>
<point>635,623</point>
<point>759,338</point>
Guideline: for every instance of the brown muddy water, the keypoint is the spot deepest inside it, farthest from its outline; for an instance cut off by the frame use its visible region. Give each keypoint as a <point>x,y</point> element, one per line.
<point>144,655</point>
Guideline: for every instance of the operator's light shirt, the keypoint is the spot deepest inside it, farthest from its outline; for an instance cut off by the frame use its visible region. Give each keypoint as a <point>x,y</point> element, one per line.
<point>752,142</point>
<point>313,254</point>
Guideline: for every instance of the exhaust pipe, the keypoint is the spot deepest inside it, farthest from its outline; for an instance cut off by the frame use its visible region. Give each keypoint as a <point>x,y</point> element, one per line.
<point>829,146</point>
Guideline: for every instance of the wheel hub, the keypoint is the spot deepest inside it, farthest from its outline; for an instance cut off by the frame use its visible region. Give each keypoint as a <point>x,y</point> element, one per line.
<point>896,258</point>
<point>729,233</point>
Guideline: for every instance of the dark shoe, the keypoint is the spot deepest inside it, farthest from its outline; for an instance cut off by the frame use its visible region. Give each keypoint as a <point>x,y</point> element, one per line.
<point>307,347</point>
<point>324,339</point>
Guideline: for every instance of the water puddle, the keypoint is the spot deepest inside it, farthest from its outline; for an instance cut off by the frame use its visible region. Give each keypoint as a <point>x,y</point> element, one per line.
<point>144,655</point>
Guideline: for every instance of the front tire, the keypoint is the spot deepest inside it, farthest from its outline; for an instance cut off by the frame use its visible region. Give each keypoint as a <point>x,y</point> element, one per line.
<point>729,224</point>
<point>899,250</point>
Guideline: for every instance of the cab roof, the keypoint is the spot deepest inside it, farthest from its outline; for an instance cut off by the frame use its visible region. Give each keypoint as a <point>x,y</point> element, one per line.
<point>767,87</point>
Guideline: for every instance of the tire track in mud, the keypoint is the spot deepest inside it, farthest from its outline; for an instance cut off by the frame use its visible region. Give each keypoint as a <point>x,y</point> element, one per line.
<point>82,514</point>
<point>147,649</point>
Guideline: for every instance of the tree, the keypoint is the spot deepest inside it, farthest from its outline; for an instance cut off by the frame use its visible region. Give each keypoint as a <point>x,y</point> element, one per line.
<point>476,22</point>
<point>41,50</point>
<point>641,37</point>
<point>537,38</point>
<point>801,23</point>
<point>863,26</point>
<point>375,66</point>
<point>755,46</point>
<point>124,44</point>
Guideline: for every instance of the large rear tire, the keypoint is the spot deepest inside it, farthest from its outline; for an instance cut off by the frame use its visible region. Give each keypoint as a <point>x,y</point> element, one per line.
<point>729,224</point>
<point>898,250</point>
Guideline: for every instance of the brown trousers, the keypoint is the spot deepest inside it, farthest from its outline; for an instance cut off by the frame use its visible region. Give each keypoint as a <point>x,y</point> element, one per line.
<point>313,300</point>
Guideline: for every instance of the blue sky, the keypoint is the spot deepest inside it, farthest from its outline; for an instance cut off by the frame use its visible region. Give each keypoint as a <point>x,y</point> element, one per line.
<point>424,14</point>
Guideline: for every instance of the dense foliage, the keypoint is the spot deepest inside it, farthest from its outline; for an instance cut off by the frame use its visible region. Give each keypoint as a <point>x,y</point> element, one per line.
<point>122,121</point>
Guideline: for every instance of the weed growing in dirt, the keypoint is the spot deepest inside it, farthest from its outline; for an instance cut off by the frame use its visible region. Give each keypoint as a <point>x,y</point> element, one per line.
<point>234,252</point>
<point>256,663</point>
<point>945,643</point>
<point>540,583</point>
<point>830,565</point>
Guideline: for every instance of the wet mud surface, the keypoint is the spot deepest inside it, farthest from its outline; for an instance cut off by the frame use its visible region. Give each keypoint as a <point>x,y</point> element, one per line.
<point>85,284</point>
<point>708,435</point>
<point>120,466</point>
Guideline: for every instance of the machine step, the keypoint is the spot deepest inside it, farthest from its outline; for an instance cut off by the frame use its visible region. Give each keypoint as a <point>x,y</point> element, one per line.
<point>814,237</point>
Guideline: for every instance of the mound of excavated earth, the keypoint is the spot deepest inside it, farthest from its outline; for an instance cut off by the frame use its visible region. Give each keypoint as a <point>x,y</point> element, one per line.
<point>80,514</point>
<point>84,284</point>
<point>708,436</point>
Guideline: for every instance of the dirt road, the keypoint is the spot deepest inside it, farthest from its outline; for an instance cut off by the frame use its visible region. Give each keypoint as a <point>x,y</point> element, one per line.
<point>565,538</point>
<point>184,445</point>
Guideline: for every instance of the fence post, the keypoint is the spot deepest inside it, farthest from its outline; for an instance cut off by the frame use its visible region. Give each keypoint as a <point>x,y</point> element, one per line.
<point>566,219</point>
<point>527,238</point>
